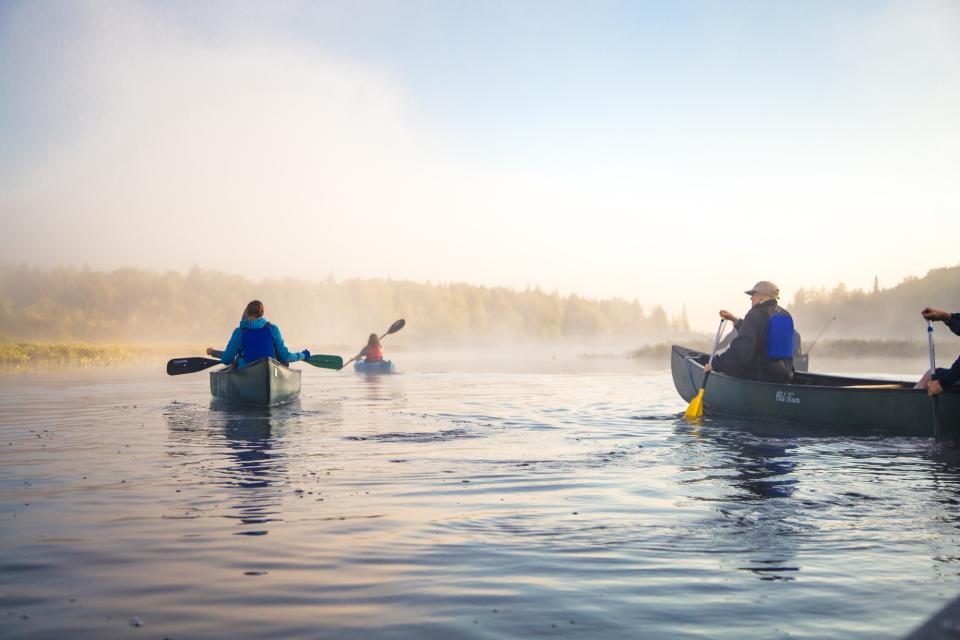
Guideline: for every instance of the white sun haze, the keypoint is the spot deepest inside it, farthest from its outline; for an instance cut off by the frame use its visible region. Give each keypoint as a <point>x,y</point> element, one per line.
<point>263,154</point>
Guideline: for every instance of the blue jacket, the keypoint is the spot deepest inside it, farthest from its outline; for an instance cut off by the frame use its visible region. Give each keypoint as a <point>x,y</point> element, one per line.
<point>233,347</point>
<point>950,377</point>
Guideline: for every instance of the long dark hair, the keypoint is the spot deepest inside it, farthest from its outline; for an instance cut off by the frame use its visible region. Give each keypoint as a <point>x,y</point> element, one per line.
<point>373,341</point>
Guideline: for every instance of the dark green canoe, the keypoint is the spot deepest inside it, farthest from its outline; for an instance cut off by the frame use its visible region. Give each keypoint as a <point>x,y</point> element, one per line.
<point>842,404</point>
<point>265,383</point>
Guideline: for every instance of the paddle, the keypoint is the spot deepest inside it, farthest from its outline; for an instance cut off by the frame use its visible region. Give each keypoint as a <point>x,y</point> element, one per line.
<point>325,362</point>
<point>933,371</point>
<point>396,326</point>
<point>179,366</point>
<point>695,410</point>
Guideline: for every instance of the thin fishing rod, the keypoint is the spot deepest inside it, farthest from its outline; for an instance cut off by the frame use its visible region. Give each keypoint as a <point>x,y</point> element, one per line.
<point>820,334</point>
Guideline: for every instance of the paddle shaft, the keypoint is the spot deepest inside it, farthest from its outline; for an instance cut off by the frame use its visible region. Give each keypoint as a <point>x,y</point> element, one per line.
<point>716,341</point>
<point>695,408</point>
<point>713,352</point>
<point>933,371</point>
<point>179,366</point>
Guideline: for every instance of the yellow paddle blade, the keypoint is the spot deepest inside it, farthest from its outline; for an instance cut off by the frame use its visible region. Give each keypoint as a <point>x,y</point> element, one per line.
<point>695,410</point>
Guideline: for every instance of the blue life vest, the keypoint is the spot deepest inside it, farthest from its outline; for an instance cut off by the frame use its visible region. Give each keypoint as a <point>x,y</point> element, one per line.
<point>780,336</point>
<point>257,343</point>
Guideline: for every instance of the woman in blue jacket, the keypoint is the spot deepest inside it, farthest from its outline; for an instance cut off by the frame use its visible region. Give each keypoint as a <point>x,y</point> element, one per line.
<point>254,339</point>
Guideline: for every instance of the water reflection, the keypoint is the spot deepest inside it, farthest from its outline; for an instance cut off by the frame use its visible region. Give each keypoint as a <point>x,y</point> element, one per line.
<point>764,468</point>
<point>757,523</point>
<point>380,387</point>
<point>251,438</point>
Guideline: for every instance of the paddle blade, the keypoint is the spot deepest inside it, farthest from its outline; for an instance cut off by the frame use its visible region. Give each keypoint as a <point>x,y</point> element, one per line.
<point>325,362</point>
<point>396,326</point>
<point>178,366</point>
<point>695,410</point>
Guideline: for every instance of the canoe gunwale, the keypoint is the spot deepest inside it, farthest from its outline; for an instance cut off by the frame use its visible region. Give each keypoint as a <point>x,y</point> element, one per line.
<point>850,383</point>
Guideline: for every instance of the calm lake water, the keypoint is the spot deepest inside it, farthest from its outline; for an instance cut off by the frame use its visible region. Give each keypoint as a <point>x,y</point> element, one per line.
<point>454,505</point>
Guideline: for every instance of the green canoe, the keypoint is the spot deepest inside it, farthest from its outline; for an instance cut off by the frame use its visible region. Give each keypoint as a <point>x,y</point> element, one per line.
<point>840,404</point>
<point>265,383</point>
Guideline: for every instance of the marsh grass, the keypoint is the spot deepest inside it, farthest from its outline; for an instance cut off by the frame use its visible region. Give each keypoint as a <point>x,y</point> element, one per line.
<point>24,355</point>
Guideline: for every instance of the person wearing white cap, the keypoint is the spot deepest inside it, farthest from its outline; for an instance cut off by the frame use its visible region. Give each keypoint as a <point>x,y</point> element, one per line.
<point>764,346</point>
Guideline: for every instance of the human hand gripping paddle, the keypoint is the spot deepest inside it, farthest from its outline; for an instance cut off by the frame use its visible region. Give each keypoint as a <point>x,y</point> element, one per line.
<point>933,371</point>
<point>179,366</point>
<point>396,326</point>
<point>695,409</point>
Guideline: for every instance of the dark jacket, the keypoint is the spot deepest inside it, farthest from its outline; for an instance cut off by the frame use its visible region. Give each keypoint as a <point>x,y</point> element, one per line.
<point>747,355</point>
<point>950,377</point>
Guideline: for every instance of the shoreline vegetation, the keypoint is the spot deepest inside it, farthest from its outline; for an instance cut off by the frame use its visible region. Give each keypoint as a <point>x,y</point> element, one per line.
<point>27,355</point>
<point>16,355</point>
<point>840,348</point>
<point>836,349</point>
<point>70,316</point>
<point>23,355</point>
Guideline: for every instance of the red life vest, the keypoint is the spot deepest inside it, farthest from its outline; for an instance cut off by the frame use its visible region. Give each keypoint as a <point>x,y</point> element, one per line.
<point>374,354</point>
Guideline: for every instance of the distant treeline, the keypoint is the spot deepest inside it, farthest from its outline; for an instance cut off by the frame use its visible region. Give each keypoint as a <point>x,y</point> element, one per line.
<point>844,348</point>
<point>133,305</point>
<point>892,313</point>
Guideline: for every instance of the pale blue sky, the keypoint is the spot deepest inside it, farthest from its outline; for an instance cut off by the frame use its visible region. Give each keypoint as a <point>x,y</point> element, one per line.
<point>591,147</point>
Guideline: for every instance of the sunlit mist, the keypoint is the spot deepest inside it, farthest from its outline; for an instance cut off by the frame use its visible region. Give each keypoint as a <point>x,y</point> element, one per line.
<point>672,154</point>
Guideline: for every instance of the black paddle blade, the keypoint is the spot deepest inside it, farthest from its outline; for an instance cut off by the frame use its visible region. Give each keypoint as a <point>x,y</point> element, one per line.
<point>178,366</point>
<point>396,326</point>
<point>325,362</point>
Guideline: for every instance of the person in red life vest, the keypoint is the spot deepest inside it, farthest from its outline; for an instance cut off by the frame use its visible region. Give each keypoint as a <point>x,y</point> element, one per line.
<point>943,378</point>
<point>373,352</point>
<point>254,339</point>
<point>764,346</point>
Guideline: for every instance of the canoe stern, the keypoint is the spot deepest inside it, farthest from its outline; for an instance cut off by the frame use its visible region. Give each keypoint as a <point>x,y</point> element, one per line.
<point>265,383</point>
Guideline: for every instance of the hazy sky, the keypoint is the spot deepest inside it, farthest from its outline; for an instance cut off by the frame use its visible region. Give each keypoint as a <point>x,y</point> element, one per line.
<point>672,151</point>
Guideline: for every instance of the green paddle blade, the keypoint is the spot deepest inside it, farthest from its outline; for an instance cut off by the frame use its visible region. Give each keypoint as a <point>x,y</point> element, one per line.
<point>325,362</point>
